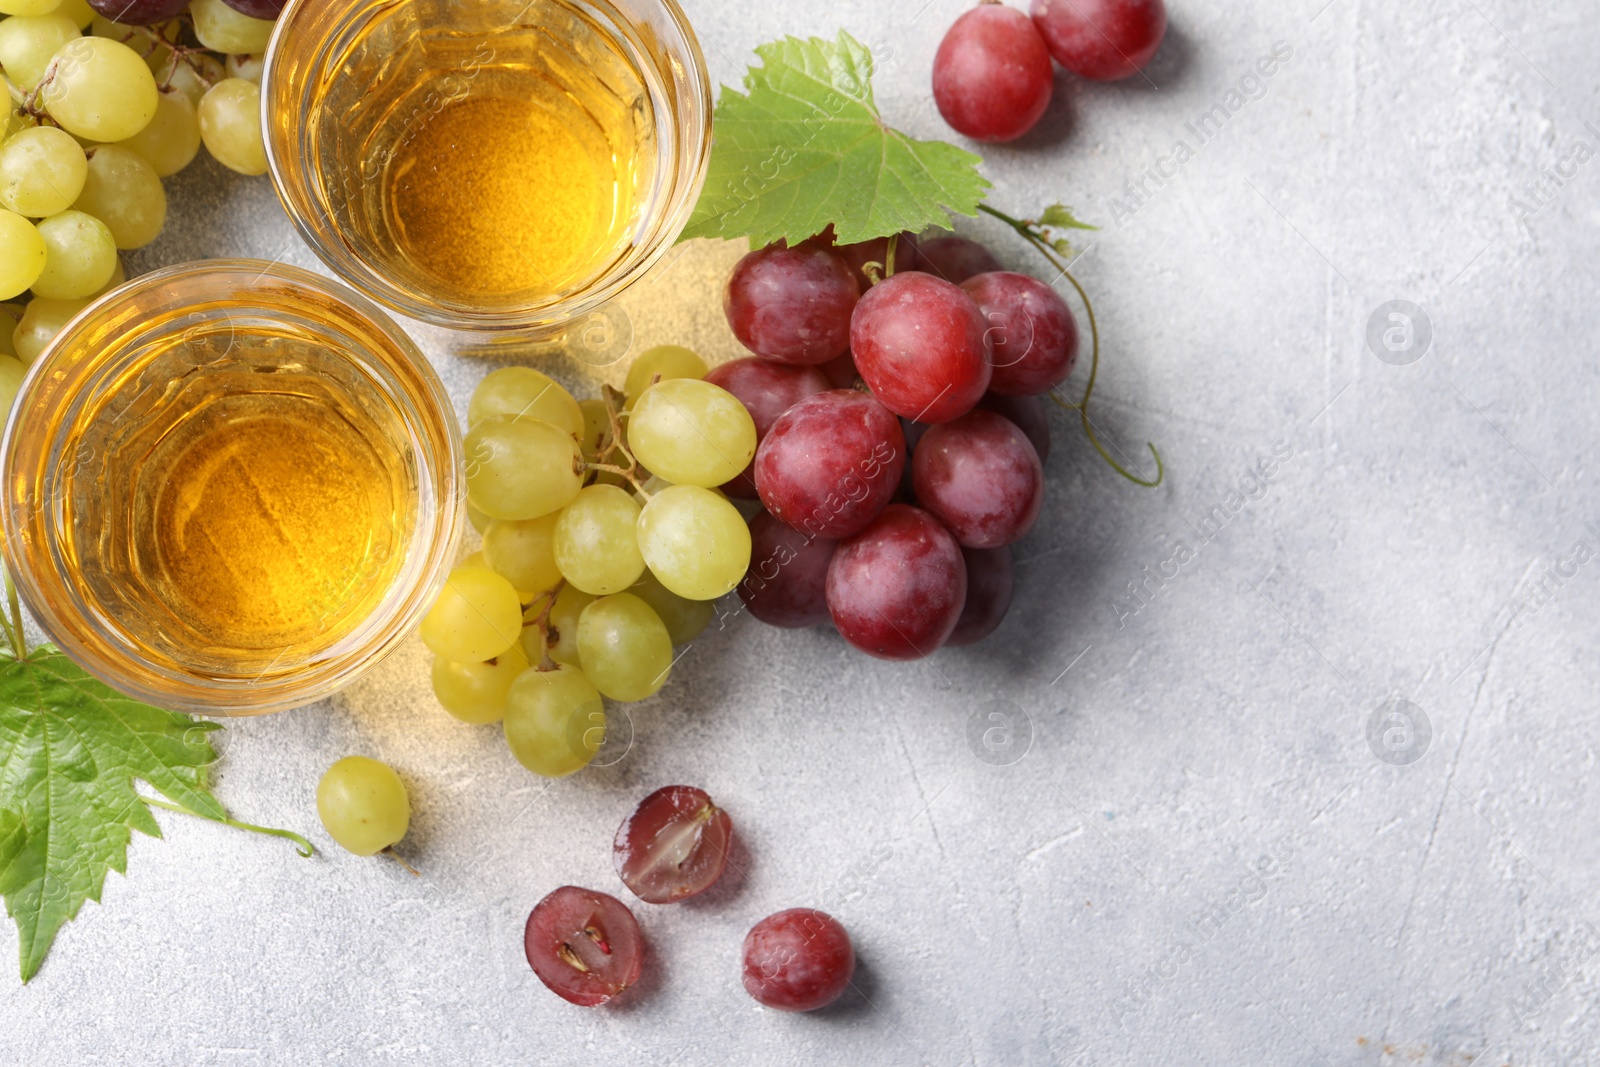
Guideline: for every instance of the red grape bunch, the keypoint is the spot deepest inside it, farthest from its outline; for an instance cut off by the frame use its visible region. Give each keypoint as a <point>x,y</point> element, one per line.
<point>992,77</point>
<point>901,434</point>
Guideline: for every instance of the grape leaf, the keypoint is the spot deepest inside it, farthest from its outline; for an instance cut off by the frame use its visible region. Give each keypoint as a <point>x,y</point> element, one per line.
<point>70,748</point>
<point>804,147</point>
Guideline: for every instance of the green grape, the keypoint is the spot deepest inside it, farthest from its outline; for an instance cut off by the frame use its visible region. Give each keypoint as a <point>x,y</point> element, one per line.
<point>192,74</point>
<point>15,123</point>
<point>533,645</point>
<point>555,720</point>
<point>520,550</point>
<point>22,254</point>
<point>40,322</point>
<point>222,29</point>
<point>524,596</point>
<point>78,11</point>
<point>695,541</point>
<point>42,171</point>
<point>692,432</point>
<point>11,374</point>
<point>172,139</point>
<point>230,125</point>
<point>476,617</point>
<point>596,545</point>
<point>561,643</point>
<point>525,392</point>
<point>663,361</point>
<point>248,67</point>
<point>80,256</point>
<point>100,90</point>
<point>124,191</point>
<point>363,805</point>
<point>10,315</point>
<point>478,519</point>
<point>521,468</point>
<point>625,648</point>
<point>684,619</point>
<point>28,42</point>
<point>476,692</point>
<point>28,7</point>
<point>596,424</point>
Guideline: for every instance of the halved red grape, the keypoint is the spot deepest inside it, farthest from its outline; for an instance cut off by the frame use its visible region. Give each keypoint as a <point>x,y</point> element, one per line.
<point>1031,330</point>
<point>922,346</point>
<point>858,255</point>
<point>981,477</point>
<point>1029,413</point>
<point>767,390</point>
<point>989,585</point>
<point>792,305</point>
<point>896,589</point>
<point>674,845</point>
<point>830,463</point>
<point>788,577</point>
<point>139,12</point>
<point>799,959</point>
<point>1101,39</point>
<point>955,259</point>
<point>992,76</point>
<point>584,945</point>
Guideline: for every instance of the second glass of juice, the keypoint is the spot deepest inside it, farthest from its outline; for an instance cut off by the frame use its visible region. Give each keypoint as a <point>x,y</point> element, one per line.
<point>487,165</point>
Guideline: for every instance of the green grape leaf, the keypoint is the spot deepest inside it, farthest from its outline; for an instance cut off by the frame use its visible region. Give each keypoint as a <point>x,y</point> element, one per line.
<point>70,748</point>
<point>804,148</point>
<point>1059,216</point>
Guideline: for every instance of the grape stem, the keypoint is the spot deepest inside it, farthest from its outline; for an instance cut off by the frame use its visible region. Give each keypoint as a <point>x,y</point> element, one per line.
<point>542,621</point>
<point>302,846</point>
<point>613,443</point>
<point>1034,235</point>
<point>392,854</point>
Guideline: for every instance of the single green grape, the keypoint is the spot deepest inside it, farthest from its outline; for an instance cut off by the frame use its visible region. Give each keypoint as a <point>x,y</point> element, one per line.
<point>42,171</point>
<point>80,256</point>
<point>476,692</point>
<point>28,7</point>
<point>10,316</point>
<point>477,559</point>
<point>100,90</point>
<point>11,374</point>
<point>664,362</point>
<point>23,254</point>
<point>521,468</point>
<point>476,617</point>
<point>521,550</point>
<point>525,392</point>
<point>192,74</point>
<point>625,648</point>
<point>172,139</point>
<point>363,805</point>
<point>41,320</point>
<point>78,11</point>
<point>561,643</point>
<point>477,519</point>
<point>27,43</point>
<point>692,432</point>
<point>124,191</point>
<point>248,67</point>
<point>555,720</point>
<point>684,619</point>
<point>230,124</point>
<point>695,541</point>
<point>222,29</point>
<point>596,542</point>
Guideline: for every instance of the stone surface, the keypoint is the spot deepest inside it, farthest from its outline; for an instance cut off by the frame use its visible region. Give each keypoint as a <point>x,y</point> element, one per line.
<point>1191,852</point>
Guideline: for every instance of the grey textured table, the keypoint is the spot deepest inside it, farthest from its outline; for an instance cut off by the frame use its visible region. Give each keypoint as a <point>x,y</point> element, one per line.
<point>1192,852</point>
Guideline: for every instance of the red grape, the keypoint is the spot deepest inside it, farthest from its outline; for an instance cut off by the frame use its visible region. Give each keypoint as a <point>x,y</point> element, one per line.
<point>981,477</point>
<point>989,584</point>
<point>258,9</point>
<point>841,373</point>
<point>584,945</point>
<point>800,959</point>
<point>922,346</point>
<point>1031,329</point>
<point>139,12</point>
<point>1101,39</point>
<point>791,305</point>
<point>1029,413</point>
<point>955,259</point>
<point>674,845</point>
<point>767,390</point>
<point>830,463</point>
<point>896,589</point>
<point>787,581</point>
<point>858,255</point>
<point>992,76</point>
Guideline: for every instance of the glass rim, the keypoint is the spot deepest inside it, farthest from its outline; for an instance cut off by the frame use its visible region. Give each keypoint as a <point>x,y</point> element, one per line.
<point>291,176</point>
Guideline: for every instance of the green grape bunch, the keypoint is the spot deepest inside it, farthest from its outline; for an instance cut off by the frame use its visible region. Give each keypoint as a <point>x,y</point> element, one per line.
<point>104,99</point>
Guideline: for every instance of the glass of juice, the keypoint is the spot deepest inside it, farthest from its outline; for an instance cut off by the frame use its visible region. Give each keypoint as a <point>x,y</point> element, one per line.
<point>487,165</point>
<point>230,487</point>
